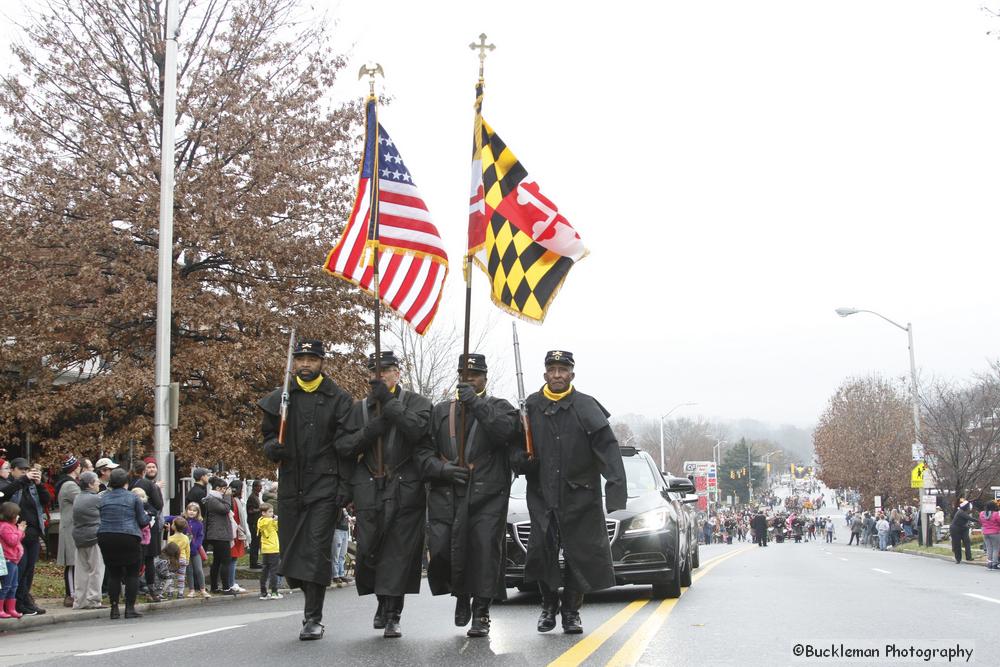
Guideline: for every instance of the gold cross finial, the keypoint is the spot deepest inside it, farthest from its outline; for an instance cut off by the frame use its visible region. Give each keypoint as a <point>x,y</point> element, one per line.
<point>483,48</point>
<point>371,71</point>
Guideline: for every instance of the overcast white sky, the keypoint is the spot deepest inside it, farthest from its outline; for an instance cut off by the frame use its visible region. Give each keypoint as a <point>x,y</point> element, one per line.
<point>736,169</point>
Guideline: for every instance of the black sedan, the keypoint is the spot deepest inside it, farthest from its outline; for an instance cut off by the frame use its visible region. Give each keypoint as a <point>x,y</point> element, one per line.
<point>650,539</point>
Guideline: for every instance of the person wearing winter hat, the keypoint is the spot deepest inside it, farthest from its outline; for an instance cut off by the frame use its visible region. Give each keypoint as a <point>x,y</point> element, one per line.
<point>960,523</point>
<point>4,468</point>
<point>67,489</point>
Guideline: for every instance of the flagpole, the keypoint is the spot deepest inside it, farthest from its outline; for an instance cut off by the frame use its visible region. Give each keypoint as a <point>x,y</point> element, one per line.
<point>373,239</point>
<point>483,47</point>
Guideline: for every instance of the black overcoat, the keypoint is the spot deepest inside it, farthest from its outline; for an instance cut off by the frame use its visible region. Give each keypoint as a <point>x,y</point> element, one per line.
<point>574,446</point>
<point>467,536</point>
<point>312,478</point>
<point>389,511</point>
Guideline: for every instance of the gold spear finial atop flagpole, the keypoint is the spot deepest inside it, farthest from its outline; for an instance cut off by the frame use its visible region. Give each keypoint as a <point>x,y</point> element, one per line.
<point>483,48</point>
<point>371,71</point>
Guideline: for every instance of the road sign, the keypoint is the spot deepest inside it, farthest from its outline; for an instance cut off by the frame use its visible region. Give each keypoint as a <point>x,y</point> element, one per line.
<point>878,502</point>
<point>917,451</point>
<point>917,475</point>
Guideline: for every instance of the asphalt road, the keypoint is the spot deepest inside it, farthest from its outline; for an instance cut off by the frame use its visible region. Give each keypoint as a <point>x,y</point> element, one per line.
<point>747,606</point>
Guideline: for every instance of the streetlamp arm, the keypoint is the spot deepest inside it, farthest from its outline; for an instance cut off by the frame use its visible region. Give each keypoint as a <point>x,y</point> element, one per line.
<point>895,324</point>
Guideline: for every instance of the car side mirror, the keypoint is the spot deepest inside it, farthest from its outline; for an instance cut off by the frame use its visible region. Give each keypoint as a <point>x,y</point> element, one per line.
<point>680,485</point>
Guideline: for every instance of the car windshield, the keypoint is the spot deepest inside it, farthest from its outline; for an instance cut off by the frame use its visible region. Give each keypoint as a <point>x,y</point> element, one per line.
<point>637,472</point>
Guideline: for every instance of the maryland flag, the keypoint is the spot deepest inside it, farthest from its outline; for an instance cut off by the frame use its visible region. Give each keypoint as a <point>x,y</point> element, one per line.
<point>516,235</point>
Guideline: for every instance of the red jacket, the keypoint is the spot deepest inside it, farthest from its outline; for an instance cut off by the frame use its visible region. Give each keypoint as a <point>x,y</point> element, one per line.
<point>10,537</point>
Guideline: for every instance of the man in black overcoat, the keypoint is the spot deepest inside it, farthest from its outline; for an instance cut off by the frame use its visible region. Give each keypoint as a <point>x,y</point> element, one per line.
<point>574,446</point>
<point>467,500</point>
<point>380,436</point>
<point>313,487</point>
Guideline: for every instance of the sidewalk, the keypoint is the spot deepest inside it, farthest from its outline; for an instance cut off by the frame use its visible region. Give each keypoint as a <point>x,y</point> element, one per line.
<point>56,613</point>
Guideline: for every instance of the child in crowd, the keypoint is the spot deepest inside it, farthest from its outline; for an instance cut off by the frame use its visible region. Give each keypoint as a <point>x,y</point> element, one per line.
<point>178,536</point>
<point>11,534</point>
<point>267,528</point>
<point>166,566</point>
<point>196,564</point>
<point>146,536</point>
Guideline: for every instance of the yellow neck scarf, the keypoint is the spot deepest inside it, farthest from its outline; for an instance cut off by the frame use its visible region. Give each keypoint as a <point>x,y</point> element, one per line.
<point>552,396</point>
<point>311,386</point>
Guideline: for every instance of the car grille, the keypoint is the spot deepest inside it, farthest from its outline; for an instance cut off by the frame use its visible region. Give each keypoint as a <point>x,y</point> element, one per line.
<point>522,531</point>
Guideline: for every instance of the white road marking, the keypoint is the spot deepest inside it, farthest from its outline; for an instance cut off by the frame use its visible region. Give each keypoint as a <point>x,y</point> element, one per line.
<point>882,571</point>
<point>157,641</point>
<point>983,597</point>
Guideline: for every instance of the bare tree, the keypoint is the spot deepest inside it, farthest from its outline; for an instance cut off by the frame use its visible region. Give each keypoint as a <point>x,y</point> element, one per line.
<point>265,168</point>
<point>429,363</point>
<point>962,433</point>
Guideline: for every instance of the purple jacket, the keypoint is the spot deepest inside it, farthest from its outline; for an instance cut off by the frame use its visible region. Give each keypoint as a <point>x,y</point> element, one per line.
<point>196,531</point>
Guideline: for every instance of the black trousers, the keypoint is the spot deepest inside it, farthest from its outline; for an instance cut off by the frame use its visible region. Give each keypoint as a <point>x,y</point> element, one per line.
<point>220,563</point>
<point>957,541</point>
<point>314,594</point>
<point>269,575</point>
<point>254,539</point>
<point>26,571</point>
<point>122,558</point>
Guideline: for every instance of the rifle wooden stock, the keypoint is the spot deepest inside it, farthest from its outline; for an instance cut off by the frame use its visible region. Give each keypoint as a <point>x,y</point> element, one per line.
<point>529,445</point>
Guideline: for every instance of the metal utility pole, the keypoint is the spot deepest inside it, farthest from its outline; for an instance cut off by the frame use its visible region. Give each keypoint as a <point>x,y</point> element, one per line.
<point>845,312</point>
<point>161,392</point>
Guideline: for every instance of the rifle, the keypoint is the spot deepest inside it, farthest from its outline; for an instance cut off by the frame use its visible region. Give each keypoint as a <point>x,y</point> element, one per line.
<point>522,405</point>
<point>285,398</point>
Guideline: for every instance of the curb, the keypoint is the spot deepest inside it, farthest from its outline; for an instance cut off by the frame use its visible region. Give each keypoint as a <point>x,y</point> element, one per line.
<point>70,616</point>
<point>949,559</point>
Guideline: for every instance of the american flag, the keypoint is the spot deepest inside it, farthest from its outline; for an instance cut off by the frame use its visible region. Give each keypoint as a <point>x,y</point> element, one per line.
<point>412,260</point>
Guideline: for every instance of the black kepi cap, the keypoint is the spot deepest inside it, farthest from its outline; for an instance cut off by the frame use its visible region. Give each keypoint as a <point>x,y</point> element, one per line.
<point>388,359</point>
<point>20,463</point>
<point>472,362</point>
<point>308,346</point>
<point>559,357</point>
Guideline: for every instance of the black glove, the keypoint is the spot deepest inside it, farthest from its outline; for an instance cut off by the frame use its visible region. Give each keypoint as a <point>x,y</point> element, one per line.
<point>455,474</point>
<point>467,394</point>
<point>375,428</point>
<point>380,392</point>
<point>523,464</point>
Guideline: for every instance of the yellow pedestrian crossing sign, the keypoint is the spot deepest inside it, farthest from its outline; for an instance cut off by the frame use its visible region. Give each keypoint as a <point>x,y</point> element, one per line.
<point>917,475</point>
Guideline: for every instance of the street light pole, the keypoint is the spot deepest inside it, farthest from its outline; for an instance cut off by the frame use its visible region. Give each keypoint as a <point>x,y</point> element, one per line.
<point>716,455</point>
<point>844,312</point>
<point>663,464</point>
<point>165,260</point>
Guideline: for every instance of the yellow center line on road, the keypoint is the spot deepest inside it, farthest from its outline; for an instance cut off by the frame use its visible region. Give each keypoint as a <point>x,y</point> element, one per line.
<point>633,648</point>
<point>581,650</point>
<point>584,648</point>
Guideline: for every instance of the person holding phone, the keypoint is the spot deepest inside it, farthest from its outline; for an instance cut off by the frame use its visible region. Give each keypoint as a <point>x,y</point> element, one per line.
<point>24,487</point>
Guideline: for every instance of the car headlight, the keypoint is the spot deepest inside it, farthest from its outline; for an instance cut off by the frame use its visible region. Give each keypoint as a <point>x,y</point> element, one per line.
<point>647,522</point>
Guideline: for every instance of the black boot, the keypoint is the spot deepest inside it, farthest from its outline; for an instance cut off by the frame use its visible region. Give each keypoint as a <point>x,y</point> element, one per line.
<point>313,612</point>
<point>393,629</point>
<point>550,607</point>
<point>480,618</point>
<point>115,613</point>
<point>463,612</point>
<point>130,611</point>
<point>379,621</point>
<point>571,603</point>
